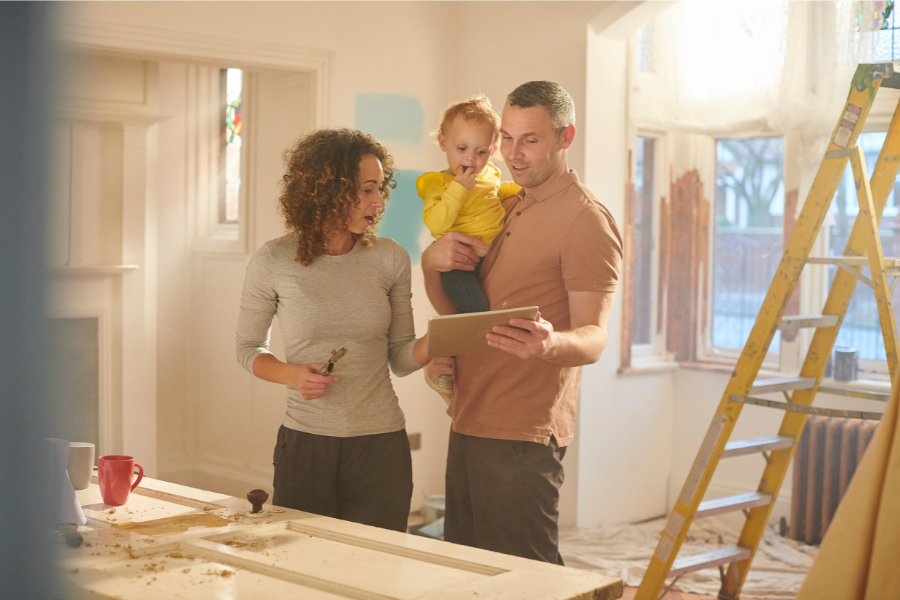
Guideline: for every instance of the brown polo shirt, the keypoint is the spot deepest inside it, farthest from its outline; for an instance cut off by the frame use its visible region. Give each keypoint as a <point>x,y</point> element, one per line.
<point>558,240</point>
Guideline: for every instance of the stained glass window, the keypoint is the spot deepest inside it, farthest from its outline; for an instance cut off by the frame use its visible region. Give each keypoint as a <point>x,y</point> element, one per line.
<point>229,207</point>
<point>877,25</point>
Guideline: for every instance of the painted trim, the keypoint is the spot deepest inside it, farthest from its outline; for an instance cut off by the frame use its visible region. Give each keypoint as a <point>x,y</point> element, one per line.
<point>150,42</point>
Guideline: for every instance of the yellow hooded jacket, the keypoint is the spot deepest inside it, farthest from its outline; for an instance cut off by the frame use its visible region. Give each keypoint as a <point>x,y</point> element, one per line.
<point>449,206</point>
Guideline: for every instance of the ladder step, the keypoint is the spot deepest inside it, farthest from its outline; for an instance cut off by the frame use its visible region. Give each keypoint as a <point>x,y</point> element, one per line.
<point>800,321</point>
<point>863,394</point>
<point>809,410</point>
<point>718,506</point>
<point>782,384</point>
<point>721,556</point>
<point>850,261</point>
<point>891,265</point>
<point>754,445</point>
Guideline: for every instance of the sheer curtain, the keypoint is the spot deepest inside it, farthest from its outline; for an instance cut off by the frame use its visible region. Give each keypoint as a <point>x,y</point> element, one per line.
<point>729,68</point>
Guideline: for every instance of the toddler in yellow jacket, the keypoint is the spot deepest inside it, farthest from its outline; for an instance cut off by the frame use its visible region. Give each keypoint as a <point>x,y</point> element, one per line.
<point>466,196</point>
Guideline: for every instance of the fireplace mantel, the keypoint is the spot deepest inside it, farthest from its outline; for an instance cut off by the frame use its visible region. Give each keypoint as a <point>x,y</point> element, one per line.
<point>70,270</point>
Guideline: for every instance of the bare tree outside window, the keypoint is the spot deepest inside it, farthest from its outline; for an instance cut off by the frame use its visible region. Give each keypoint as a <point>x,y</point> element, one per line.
<point>748,233</point>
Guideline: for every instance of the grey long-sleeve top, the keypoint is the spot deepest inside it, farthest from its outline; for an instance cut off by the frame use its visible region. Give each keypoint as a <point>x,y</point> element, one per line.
<point>360,301</point>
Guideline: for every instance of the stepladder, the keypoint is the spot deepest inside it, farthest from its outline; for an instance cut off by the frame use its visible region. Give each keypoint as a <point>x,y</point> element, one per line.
<point>863,250</point>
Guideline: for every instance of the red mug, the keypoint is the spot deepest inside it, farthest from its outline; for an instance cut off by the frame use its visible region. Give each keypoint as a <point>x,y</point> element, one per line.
<point>114,472</point>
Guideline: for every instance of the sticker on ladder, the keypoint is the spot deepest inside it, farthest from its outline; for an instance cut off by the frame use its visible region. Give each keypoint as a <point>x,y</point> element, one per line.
<point>664,548</point>
<point>675,523</point>
<point>703,456</point>
<point>848,124</point>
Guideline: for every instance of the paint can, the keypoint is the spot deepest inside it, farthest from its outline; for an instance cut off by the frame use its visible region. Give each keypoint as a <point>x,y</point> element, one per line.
<point>846,363</point>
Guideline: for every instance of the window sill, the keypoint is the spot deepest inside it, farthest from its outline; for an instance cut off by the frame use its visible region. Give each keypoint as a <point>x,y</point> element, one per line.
<point>867,385</point>
<point>648,365</point>
<point>714,367</point>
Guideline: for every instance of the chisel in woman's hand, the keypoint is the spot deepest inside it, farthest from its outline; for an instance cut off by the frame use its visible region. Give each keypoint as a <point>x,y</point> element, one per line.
<point>336,355</point>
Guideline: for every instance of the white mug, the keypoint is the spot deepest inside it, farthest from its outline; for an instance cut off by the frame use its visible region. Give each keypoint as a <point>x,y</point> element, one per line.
<point>81,464</point>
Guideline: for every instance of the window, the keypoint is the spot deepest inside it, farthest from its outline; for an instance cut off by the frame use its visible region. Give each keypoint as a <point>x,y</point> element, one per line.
<point>861,327</point>
<point>749,209</point>
<point>642,335</point>
<point>645,38</point>
<point>215,118</point>
<point>642,246</point>
<point>230,188</point>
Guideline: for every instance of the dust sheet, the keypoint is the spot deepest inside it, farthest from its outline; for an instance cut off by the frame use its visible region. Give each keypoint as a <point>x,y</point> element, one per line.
<point>624,551</point>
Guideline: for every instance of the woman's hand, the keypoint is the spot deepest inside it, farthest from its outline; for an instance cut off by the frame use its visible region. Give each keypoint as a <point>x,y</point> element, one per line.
<point>310,385</point>
<point>441,365</point>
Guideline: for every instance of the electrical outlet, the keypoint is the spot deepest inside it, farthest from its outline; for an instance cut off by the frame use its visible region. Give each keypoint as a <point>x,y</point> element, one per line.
<point>415,441</point>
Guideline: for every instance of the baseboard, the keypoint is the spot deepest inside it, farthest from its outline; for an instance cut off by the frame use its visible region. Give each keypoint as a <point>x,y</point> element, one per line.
<point>782,506</point>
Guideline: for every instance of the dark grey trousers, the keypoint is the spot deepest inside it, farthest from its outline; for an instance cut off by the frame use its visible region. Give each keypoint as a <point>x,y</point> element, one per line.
<point>365,479</point>
<point>503,495</point>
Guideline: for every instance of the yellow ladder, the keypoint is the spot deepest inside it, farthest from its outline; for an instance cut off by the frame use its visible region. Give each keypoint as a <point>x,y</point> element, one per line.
<point>863,249</point>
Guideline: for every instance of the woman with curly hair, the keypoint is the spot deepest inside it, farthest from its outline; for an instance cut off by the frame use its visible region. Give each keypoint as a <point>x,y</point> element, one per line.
<point>342,450</point>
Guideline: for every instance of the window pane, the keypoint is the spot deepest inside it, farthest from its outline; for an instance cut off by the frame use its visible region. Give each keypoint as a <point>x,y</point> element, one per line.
<point>643,242</point>
<point>645,46</point>
<point>748,234</point>
<point>861,328</point>
<point>229,203</point>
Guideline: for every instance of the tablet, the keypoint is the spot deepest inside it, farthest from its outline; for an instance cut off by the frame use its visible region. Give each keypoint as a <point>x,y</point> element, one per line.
<point>455,335</point>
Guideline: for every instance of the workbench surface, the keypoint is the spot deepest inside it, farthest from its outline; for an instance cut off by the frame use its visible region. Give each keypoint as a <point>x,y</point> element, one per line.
<point>173,541</point>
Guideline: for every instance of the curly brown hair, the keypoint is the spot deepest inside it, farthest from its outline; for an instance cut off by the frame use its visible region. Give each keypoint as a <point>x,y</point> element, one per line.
<point>321,186</point>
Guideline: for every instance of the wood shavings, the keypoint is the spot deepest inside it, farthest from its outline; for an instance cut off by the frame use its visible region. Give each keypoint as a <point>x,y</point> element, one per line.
<point>174,525</point>
<point>237,544</point>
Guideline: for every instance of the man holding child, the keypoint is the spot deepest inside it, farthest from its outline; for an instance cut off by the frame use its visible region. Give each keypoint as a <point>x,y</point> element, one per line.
<point>514,411</point>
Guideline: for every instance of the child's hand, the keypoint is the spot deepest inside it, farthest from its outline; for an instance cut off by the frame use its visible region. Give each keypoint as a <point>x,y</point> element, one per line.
<point>465,176</point>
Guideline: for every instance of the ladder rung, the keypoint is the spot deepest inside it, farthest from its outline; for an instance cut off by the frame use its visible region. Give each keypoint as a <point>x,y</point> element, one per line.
<point>721,556</point>
<point>850,261</point>
<point>718,506</point>
<point>800,321</point>
<point>754,445</point>
<point>782,384</point>
<point>809,410</point>
<point>863,394</point>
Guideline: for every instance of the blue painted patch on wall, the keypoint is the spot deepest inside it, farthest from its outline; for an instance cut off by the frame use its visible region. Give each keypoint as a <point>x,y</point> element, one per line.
<point>402,218</point>
<point>391,117</point>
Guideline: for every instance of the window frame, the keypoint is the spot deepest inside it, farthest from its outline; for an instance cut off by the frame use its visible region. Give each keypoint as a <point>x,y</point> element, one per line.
<point>706,351</point>
<point>655,350</point>
<point>211,234</point>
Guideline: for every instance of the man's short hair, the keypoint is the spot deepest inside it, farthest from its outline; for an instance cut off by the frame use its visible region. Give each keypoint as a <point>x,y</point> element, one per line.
<point>551,96</point>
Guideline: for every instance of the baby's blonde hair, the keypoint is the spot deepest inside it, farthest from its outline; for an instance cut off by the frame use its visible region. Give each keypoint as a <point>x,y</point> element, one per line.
<point>474,109</point>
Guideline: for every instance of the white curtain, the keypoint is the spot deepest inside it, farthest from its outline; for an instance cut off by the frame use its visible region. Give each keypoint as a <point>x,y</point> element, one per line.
<point>750,67</point>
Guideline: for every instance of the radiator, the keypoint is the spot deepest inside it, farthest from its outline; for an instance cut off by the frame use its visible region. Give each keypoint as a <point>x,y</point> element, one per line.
<point>825,460</point>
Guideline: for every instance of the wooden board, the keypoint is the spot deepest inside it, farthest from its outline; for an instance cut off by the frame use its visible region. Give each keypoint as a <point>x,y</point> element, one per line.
<point>168,548</point>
